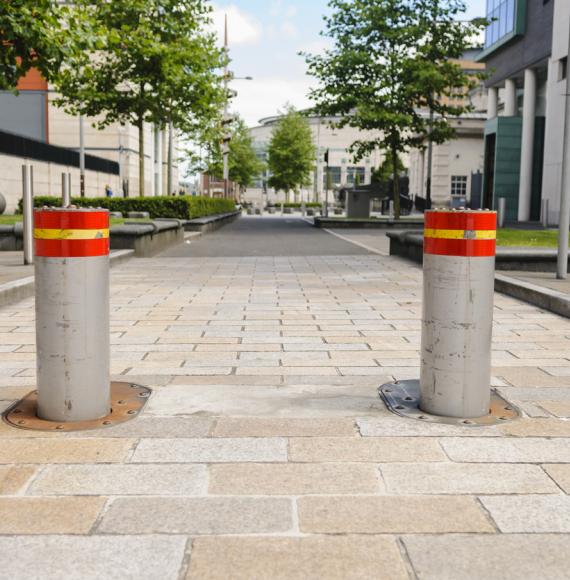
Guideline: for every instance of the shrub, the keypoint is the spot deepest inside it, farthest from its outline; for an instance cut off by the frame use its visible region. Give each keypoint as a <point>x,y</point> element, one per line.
<point>180,207</point>
<point>298,205</point>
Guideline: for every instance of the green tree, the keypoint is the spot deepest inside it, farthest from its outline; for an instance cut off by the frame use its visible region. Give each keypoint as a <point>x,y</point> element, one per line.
<point>292,153</point>
<point>145,61</point>
<point>244,164</point>
<point>385,172</point>
<point>31,35</point>
<point>389,64</point>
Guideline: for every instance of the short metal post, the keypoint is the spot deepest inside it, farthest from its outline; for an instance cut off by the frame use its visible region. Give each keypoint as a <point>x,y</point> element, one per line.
<point>303,209</point>
<point>72,313</point>
<point>69,185</point>
<point>28,215</point>
<point>502,211</point>
<point>459,268</point>
<point>65,195</point>
<point>544,213</point>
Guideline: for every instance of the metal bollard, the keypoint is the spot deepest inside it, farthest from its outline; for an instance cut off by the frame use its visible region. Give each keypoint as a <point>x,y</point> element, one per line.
<point>459,267</point>
<point>72,313</point>
<point>544,213</point>
<point>28,214</point>
<point>65,191</point>
<point>502,211</point>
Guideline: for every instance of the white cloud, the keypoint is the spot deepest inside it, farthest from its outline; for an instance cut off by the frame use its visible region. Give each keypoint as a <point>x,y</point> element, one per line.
<point>317,46</point>
<point>289,29</point>
<point>267,96</point>
<point>243,28</point>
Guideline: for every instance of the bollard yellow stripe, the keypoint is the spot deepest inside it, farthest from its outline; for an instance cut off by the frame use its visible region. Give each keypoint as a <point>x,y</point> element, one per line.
<point>461,234</point>
<point>52,234</point>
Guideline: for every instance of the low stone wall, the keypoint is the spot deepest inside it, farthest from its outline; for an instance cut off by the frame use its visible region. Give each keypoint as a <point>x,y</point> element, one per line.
<point>211,222</point>
<point>147,239</point>
<point>409,244</point>
<point>381,224</point>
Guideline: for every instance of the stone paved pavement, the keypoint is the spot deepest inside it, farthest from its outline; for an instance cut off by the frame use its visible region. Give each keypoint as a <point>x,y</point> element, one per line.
<point>265,452</point>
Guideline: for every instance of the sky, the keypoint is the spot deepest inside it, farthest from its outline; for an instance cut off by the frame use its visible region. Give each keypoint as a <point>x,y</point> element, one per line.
<point>265,37</point>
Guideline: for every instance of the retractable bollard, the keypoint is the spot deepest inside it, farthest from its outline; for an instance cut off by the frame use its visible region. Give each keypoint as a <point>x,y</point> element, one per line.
<point>74,390</point>
<point>72,314</point>
<point>457,321</point>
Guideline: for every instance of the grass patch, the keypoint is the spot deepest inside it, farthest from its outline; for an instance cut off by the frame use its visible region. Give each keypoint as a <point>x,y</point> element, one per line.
<point>528,238</point>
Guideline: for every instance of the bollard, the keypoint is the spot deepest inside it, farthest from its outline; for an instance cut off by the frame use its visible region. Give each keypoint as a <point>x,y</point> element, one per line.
<point>72,313</point>
<point>28,214</point>
<point>459,275</point>
<point>544,213</point>
<point>502,211</point>
<point>65,191</point>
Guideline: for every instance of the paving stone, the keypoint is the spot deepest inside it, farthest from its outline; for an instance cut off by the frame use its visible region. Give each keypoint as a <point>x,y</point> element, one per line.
<point>561,475</point>
<point>160,427</point>
<point>333,558</point>
<point>299,400</point>
<point>537,427</point>
<point>390,426</point>
<point>384,449</point>
<point>64,450</point>
<point>497,557</point>
<point>92,558</point>
<point>14,478</point>
<point>67,515</point>
<point>491,450</point>
<point>557,408</point>
<point>121,480</point>
<point>198,516</point>
<point>260,427</point>
<point>454,478</point>
<point>530,513</point>
<point>293,479</point>
<point>391,515</point>
<point>210,450</point>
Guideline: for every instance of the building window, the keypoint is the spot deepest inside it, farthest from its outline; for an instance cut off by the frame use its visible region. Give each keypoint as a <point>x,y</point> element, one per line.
<point>334,181</point>
<point>459,186</point>
<point>352,173</point>
<point>501,15</point>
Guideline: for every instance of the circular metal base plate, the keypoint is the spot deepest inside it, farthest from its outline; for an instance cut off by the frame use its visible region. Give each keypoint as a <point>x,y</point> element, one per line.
<point>127,401</point>
<point>403,398</point>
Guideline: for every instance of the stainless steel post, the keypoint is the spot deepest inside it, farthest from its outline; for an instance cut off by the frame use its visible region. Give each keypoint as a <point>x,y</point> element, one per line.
<point>81,156</point>
<point>502,211</point>
<point>28,215</point>
<point>72,313</point>
<point>65,195</point>
<point>544,213</point>
<point>459,267</point>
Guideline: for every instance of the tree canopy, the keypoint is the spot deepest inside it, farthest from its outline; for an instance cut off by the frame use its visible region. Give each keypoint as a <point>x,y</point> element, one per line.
<point>31,35</point>
<point>392,61</point>
<point>292,153</point>
<point>144,61</point>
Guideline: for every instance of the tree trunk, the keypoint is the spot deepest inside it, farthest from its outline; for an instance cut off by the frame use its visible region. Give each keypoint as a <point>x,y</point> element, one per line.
<point>141,155</point>
<point>287,196</point>
<point>396,185</point>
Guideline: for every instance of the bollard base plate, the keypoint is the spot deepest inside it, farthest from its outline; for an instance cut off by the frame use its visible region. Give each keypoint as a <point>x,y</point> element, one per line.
<point>403,398</point>
<point>127,401</point>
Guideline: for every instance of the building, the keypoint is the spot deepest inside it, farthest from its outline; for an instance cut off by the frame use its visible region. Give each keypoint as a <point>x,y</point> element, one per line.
<point>343,170</point>
<point>32,114</point>
<point>526,54</point>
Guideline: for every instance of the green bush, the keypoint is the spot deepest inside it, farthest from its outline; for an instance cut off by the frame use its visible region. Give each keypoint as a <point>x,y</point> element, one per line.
<point>180,207</point>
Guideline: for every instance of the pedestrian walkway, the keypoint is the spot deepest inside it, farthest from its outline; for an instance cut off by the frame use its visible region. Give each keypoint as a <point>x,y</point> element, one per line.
<point>265,452</point>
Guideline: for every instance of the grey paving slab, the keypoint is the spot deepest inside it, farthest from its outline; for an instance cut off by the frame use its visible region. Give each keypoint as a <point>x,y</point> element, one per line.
<point>91,558</point>
<point>530,514</point>
<point>496,557</point>
<point>162,480</point>
<point>198,516</point>
<point>210,450</point>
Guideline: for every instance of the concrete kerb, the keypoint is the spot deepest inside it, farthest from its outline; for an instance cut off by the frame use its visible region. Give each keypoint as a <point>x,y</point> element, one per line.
<point>17,290</point>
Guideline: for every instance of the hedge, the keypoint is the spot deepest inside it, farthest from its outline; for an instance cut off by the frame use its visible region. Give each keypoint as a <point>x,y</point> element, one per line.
<point>297,205</point>
<point>181,207</point>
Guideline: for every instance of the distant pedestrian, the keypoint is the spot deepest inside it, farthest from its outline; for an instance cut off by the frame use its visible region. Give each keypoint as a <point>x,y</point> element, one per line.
<point>108,191</point>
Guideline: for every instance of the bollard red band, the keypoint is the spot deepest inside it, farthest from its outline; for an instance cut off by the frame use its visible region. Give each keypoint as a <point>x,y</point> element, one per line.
<point>461,233</point>
<point>71,233</point>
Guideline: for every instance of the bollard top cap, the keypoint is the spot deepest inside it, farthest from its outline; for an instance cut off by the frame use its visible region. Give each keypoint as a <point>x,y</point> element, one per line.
<point>72,208</point>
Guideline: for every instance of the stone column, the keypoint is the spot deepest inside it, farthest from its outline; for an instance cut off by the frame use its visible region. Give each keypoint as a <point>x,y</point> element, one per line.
<point>492,102</point>
<point>510,98</point>
<point>527,145</point>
